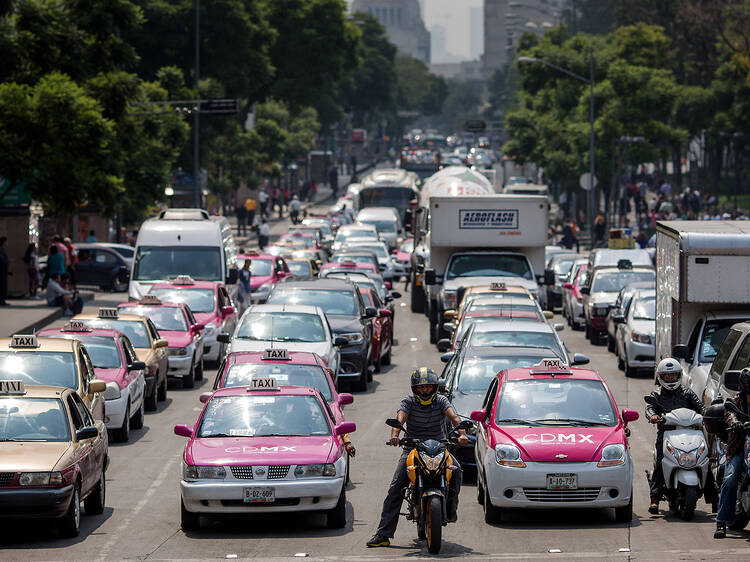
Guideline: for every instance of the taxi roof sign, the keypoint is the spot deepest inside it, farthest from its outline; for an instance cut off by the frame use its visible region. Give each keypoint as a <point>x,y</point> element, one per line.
<point>276,354</point>
<point>24,340</point>
<point>183,280</point>
<point>76,326</point>
<point>149,299</point>
<point>263,383</point>
<point>12,387</point>
<point>110,313</point>
<point>551,366</point>
<point>498,286</point>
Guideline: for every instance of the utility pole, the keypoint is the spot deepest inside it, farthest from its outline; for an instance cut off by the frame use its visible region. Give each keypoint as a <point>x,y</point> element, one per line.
<point>197,196</point>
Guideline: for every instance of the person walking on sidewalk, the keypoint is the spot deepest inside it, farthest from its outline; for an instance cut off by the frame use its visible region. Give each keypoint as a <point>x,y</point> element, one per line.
<point>241,213</point>
<point>4,270</point>
<point>333,179</point>
<point>244,291</point>
<point>263,200</point>
<point>263,234</point>
<point>250,206</point>
<point>294,208</point>
<point>31,260</point>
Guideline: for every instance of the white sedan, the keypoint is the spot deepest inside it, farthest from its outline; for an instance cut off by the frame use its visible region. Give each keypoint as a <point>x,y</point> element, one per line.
<point>635,331</point>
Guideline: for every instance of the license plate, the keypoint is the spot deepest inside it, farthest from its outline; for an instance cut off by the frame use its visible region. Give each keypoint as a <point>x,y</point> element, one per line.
<point>259,495</point>
<point>562,482</point>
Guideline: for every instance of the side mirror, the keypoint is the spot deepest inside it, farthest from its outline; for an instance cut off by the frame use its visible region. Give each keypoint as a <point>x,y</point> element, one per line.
<point>548,314</point>
<point>340,341</point>
<point>227,310</point>
<point>585,290</point>
<point>681,351</point>
<point>732,380</point>
<point>345,398</point>
<point>430,276</point>
<point>198,327</point>
<point>444,344</point>
<point>183,430</point>
<point>161,343</point>
<point>223,337</point>
<point>96,385</point>
<point>445,357</point>
<point>559,327</point>
<point>388,285</point>
<point>479,415</point>
<point>371,312</point>
<point>232,276</point>
<point>464,424</point>
<point>549,277</point>
<point>345,427</point>
<point>618,318</point>
<point>393,422</point>
<point>450,314</point>
<point>629,415</point>
<point>137,366</point>
<point>395,294</point>
<point>568,286</point>
<point>88,432</point>
<point>580,359</point>
<point>204,397</point>
<point>384,313</point>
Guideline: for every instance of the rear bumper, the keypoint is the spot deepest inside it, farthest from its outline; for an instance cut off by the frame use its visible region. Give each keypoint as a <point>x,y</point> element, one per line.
<point>35,502</point>
<point>180,365</point>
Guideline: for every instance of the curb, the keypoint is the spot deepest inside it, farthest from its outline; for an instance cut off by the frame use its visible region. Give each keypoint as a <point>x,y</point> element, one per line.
<point>51,317</point>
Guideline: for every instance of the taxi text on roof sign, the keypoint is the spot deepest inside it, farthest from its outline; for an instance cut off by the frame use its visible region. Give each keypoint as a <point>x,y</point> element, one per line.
<point>149,299</point>
<point>550,366</point>
<point>278,354</point>
<point>263,383</point>
<point>12,387</point>
<point>183,280</point>
<point>497,286</point>
<point>76,326</point>
<point>108,313</point>
<point>24,340</point>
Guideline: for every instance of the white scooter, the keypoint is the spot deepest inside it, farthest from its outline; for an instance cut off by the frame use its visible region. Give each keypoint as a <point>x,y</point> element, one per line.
<point>685,458</point>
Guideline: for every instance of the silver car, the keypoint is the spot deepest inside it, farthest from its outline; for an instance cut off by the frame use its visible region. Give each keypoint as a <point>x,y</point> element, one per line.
<point>636,328</point>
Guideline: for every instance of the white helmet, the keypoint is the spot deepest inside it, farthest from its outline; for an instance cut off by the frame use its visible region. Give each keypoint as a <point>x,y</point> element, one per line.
<point>669,373</point>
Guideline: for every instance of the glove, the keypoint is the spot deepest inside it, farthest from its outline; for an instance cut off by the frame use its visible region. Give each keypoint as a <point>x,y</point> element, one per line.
<point>737,426</point>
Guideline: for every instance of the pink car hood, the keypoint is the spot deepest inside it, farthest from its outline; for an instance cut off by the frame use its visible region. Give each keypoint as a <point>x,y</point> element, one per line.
<point>177,339</point>
<point>544,444</point>
<point>261,450</point>
<point>257,280</point>
<point>207,318</point>
<point>111,375</point>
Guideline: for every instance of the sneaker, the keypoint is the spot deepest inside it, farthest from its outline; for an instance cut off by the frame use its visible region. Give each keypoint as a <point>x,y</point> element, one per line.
<point>378,540</point>
<point>721,530</point>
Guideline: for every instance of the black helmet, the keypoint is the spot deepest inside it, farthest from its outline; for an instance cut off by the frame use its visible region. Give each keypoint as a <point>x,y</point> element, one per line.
<point>420,376</point>
<point>744,381</point>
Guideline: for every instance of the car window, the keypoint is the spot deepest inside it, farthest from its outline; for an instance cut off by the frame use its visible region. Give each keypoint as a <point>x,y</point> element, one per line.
<point>722,356</point>
<point>489,398</point>
<point>152,330</point>
<point>75,415</point>
<point>742,358</point>
<point>693,340</point>
<point>83,411</point>
<point>106,258</point>
<point>713,336</point>
<point>127,347</point>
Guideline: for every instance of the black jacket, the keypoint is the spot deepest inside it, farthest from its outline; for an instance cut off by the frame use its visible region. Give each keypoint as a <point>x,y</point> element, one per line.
<point>736,441</point>
<point>670,400</point>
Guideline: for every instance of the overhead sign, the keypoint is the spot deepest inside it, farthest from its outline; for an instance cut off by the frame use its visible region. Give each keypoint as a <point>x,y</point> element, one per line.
<point>359,135</point>
<point>16,195</point>
<point>475,126</point>
<point>224,106</point>
<point>496,219</point>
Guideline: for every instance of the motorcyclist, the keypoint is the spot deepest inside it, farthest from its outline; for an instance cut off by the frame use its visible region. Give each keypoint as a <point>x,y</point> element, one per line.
<point>422,413</point>
<point>734,454</point>
<point>670,397</point>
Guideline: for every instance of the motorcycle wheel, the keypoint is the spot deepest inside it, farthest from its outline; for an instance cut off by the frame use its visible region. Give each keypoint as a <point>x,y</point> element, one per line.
<point>687,502</point>
<point>434,524</point>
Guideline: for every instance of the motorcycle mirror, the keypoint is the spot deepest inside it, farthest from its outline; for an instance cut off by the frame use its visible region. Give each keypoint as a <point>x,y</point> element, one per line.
<point>393,422</point>
<point>465,424</point>
<point>716,401</point>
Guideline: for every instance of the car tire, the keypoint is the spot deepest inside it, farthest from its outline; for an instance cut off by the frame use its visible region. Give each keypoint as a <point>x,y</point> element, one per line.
<point>199,370</point>
<point>630,371</point>
<point>379,361</point>
<point>70,523</point>
<point>136,422</point>
<point>588,332</point>
<point>122,435</point>
<point>480,490</point>
<point>492,514</point>
<point>336,517</point>
<point>360,385</point>
<point>386,359</point>
<point>161,393</point>
<point>188,381</point>
<point>94,503</point>
<point>620,363</point>
<point>624,514</point>
<point>151,399</point>
<point>610,344</point>
<point>189,521</point>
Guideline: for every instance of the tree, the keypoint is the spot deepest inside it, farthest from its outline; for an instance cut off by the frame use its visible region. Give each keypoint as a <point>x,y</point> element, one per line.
<point>419,89</point>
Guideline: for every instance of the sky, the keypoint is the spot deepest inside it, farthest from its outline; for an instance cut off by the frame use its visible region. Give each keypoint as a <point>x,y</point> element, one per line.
<point>453,15</point>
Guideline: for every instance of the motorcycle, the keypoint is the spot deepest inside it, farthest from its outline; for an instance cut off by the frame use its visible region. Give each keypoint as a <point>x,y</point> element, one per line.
<point>429,467</point>
<point>685,462</point>
<point>742,510</point>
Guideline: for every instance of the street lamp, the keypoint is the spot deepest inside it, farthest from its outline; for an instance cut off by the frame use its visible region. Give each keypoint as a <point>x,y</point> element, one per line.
<point>590,82</point>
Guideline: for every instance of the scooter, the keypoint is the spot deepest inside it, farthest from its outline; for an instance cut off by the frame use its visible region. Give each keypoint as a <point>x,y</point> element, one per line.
<point>742,510</point>
<point>429,467</point>
<point>685,458</point>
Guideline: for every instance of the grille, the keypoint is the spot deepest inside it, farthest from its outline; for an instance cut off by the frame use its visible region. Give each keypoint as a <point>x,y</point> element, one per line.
<point>6,478</point>
<point>242,472</point>
<point>545,495</point>
<point>276,471</point>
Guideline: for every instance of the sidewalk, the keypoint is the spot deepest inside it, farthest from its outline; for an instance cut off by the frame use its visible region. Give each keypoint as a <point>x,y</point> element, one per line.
<point>25,316</point>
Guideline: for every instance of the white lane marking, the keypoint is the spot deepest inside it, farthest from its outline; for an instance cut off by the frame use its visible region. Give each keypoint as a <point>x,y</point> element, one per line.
<point>155,485</point>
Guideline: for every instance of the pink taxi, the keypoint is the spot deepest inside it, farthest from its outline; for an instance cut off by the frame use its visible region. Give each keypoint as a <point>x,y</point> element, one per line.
<point>211,304</point>
<point>346,267</point>
<point>551,436</point>
<point>184,334</point>
<point>264,448</point>
<point>265,271</point>
<point>116,364</point>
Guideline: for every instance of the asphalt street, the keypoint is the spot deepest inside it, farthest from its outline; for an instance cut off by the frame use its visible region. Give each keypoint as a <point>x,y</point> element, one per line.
<point>141,520</point>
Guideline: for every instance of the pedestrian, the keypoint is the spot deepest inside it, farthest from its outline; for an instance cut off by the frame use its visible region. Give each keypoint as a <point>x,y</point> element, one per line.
<point>263,200</point>
<point>333,179</point>
<point>31,260</point>
<point>55,262</point>
<point>250,206</point>
<point>600,231</point>
<point>4,270</point>
<point>241,213</point>
<point>243,290</point>
<point>58,296</point>
<point>72,261</point>
<point>263,234</point>
<point>354,165</point>
<point>294,208</point>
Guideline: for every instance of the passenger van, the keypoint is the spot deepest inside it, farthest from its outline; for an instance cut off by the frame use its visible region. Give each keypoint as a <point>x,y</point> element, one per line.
<point>183,243</point>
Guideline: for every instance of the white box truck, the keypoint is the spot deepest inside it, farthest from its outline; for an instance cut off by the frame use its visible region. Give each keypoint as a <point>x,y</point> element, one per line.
<point>478,240</point>
<point>703,288</point>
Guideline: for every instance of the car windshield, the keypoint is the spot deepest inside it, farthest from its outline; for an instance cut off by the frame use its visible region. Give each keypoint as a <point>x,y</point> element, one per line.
<point>408,246</point>
<point>713,335</point>
<point>281,326</point>
<point>555,402</point>
<point>531,307</point>
<point>33,419</point>
<point>387,226</point>
<point>154,263</point>
<point>300,268</point>
<point>477,372</point>
<point>48,368</point>
<point>396,197</point>
<point>469,321</point>
<point>168,318</point>
<point>331,301</point>
<point>489,265</point>
<point>563,266</point>
<point>378,249</point>
<point>263,415</point>
<point>355,233</point>
<point>135,330</point>
<point>286,375</point>
<point>199,300</point>
<point>322,225</point>
<point>103,351</point>
<point>645,309</point>
<point>516,337</point>
<point>614,282</point>
<point>259,267</point>
<point>361,258</point>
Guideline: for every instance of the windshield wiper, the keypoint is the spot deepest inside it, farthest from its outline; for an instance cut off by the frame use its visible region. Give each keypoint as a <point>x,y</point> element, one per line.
<point>221,435</point>
<point>7,439</point>
<point>518,421</point>
<point>570,421</point>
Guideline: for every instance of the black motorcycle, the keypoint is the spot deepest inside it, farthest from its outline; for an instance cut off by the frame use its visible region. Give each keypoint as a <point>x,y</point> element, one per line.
<point>429,467</point>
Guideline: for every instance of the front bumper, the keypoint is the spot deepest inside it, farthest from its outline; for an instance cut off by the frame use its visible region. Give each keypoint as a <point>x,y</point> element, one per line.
<point>19,503</point>
<point>180,365</point>
<point>115,410</point>
<point>211,347</point>
<point>309,494</point>
<point>639,355</point>
<point>353,361</point>
<point>527,487</point>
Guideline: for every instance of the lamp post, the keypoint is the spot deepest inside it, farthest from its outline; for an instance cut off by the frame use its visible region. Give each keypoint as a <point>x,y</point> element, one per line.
<point>197,123</point>
<point>590,82</point>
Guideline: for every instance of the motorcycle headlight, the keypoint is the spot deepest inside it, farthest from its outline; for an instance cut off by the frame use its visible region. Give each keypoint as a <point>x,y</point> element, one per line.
<point>209,329</point>
<point>312,470</point>
<point>508,455</point>
<point>612,455</point>
<point>432,463</point>
<point>353,338</point>
<point>640,338</point>
<point>686,460</point>
<point>449,299</point>
<point>112,391</point>
<point>195,472</point>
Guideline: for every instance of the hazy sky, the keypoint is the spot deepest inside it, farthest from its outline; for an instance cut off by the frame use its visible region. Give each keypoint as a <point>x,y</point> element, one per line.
<point>453,15</point>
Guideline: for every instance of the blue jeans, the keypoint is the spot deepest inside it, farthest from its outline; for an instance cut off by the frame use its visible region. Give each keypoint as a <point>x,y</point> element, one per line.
<point>728,495</point>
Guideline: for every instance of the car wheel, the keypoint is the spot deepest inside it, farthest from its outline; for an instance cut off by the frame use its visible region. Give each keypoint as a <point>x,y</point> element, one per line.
<point>595,337</point>
<point>629,371</point>
<point>94,503</point>
<point>624,514</point>
<point>361,384</point>
<point>70,523</point>
<point>189,521</point>
<point>336,517</point>
<point>610,344</point>
<point>379,361</point>
<point>188,381</point>
<point>137,421</point>
<point>199,370</point>
<point>620,363</point>
<point>161,393</point>
<point>417,297</point>
<point>588,332</point>
<point>122,435</point>
<point>492,514</point>
<point>151,399</point>
<point>119,285</point>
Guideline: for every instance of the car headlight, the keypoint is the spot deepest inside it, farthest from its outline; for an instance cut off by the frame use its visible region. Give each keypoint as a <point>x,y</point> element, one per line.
<point>508,455</point>
<point>112,391</point>
<point>432,463</point>
<point>353,338</point>
<point>313,470</point>
<point>449,299</point>
<point>195,472</point>
<point>40,479</point>
<point>613,455</point>
<point>210,329</point>
<point>177,350</point>
<point>640,338</point>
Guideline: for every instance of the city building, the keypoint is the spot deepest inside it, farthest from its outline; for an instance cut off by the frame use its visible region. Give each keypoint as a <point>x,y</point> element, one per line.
<point>476,32</point>
<point>403,22</point>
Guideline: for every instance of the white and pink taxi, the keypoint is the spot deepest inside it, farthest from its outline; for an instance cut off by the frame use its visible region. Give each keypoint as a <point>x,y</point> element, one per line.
<point>552,437</point>
<point>264,448</point>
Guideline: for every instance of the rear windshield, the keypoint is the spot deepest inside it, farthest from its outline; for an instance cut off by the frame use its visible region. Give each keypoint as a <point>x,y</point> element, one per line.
<point>136,331</point>
<point>199,300</point>
<point>614,282</point>
<point>332,302</point>
<point>168,318</point>
<point>286,375</point>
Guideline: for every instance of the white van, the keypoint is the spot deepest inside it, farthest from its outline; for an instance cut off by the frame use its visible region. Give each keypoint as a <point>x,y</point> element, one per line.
<point>386,221</point>
<point>198,247</point>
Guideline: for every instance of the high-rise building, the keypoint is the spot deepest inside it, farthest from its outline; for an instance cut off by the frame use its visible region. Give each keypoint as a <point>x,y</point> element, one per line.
<point>403,22</point>
<point>495,36</point>
<point>476,33</point>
